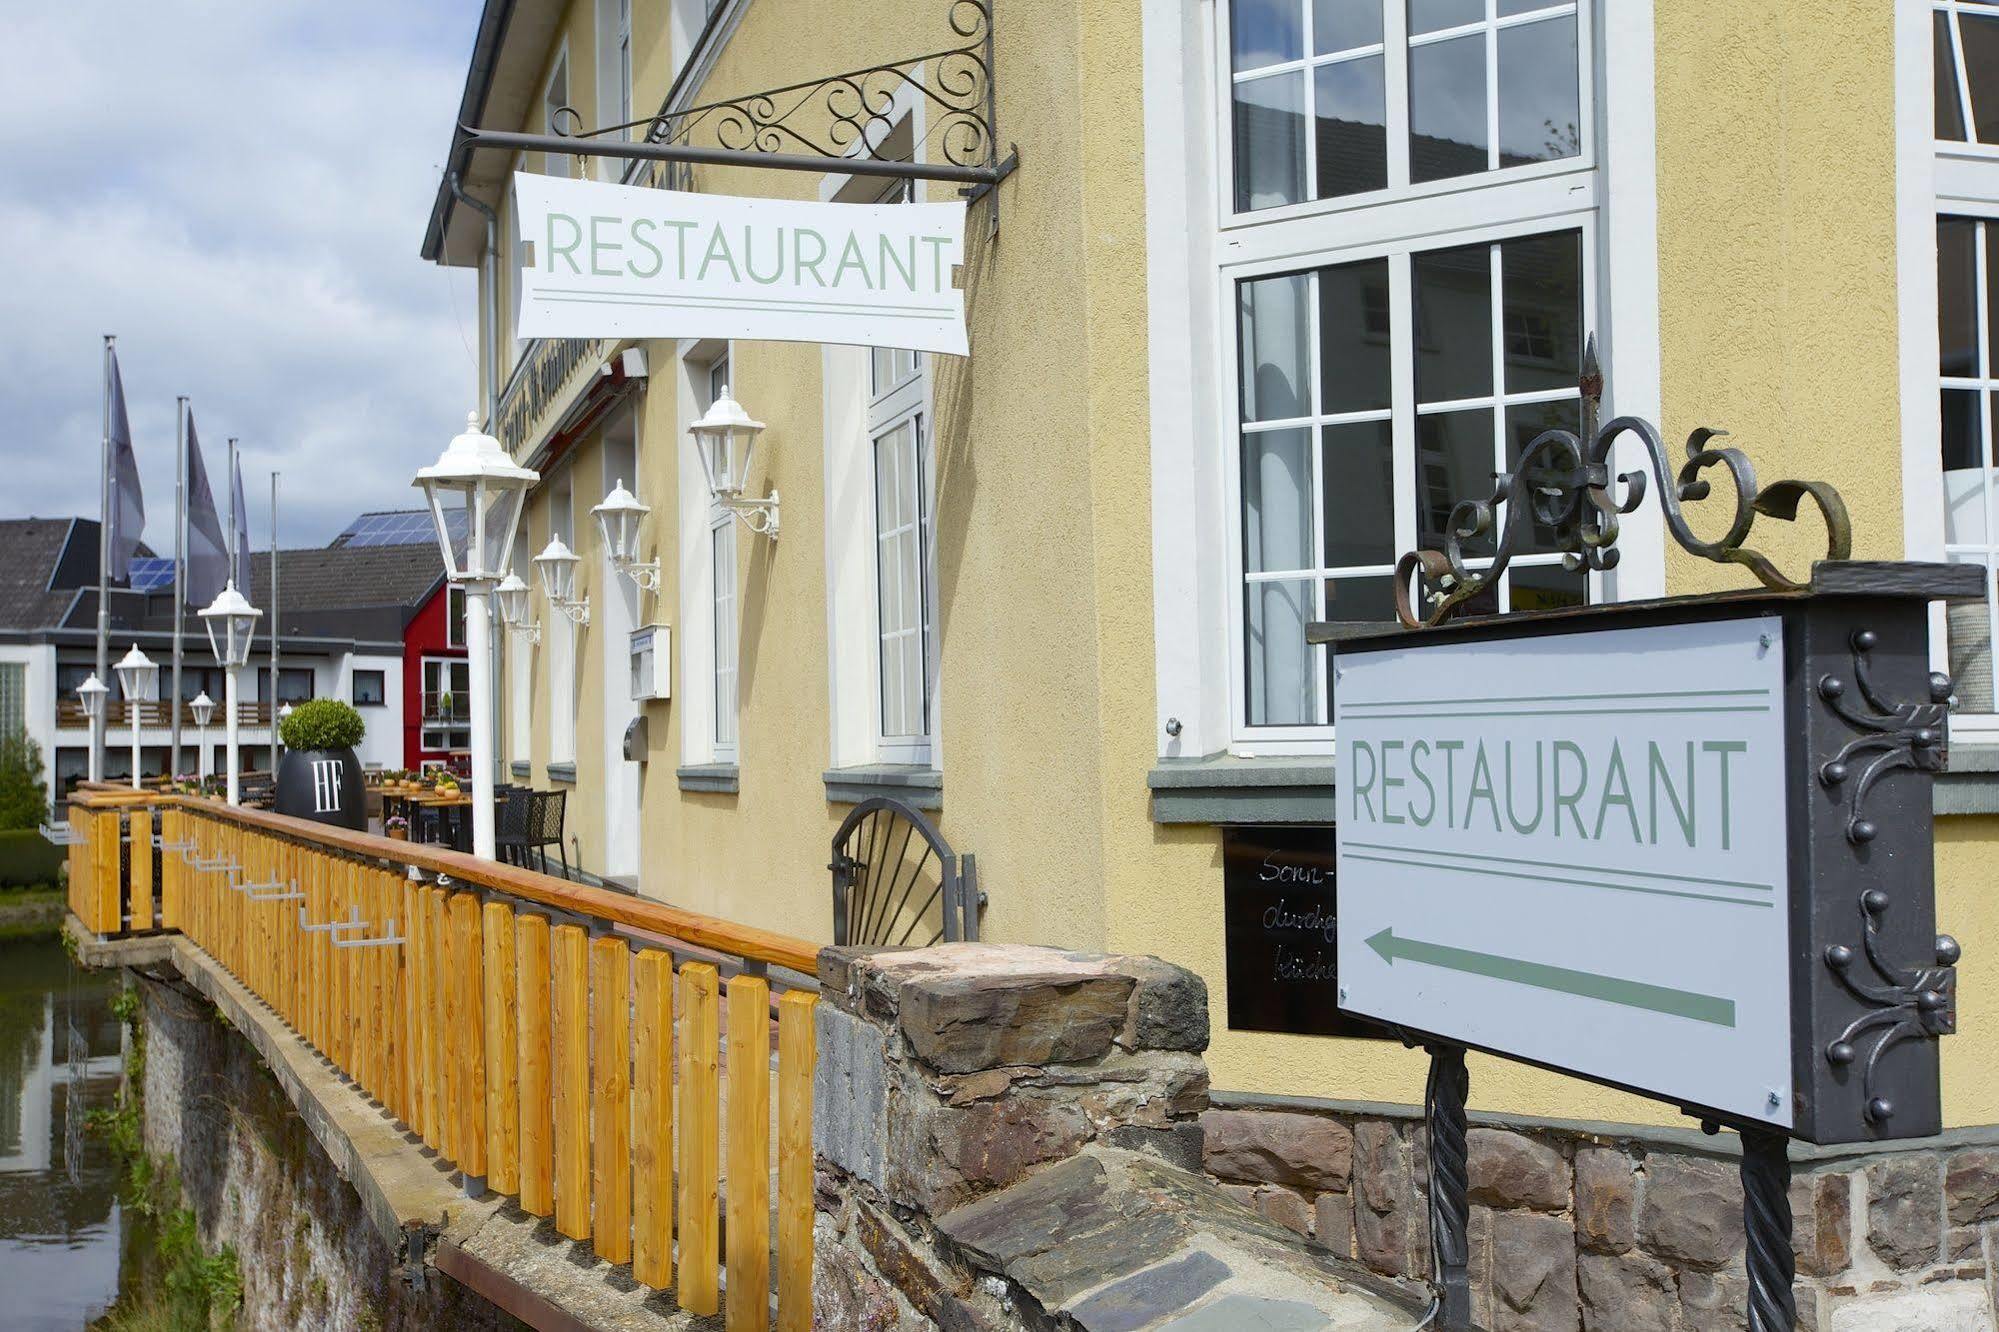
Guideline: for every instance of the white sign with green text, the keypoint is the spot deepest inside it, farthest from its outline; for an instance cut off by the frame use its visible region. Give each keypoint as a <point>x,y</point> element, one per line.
<point>610,261</point>
<point>1571,849</point>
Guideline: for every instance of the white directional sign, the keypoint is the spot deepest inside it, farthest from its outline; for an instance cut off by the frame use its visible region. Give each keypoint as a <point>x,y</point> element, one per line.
<point>616,261</point>
<point>1571,849</point>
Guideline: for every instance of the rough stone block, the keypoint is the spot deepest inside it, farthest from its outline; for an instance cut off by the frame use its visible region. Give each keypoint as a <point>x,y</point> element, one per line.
<point>1533,1274</point>
<point>1971,1187</point>
<point>850,1121</point>
<point>1510,1169</point>
<point>845,1294</point>
<point>961,1023</point>
<point>1333,1223</point>
<point>1179,1144</point>
<point>1626,1293</point>
<point>1905,1209</point>
<point>1606,1200</point>
<point>940,1156</point>
<point>1151,1293</point>
<point>1169,1006</point>
<point>1955,1306</point>
<point>1692,1213</point>
<point>1715,1301</point>
<point>1387,1210</point>
<point>1822,1223</point>
<point>1309,1152</point>
<point>1286,1208</point>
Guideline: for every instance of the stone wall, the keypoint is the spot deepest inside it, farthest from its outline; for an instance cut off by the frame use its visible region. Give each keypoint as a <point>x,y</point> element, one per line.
<point>1010,1137</point>
<point>1581,1230</point>
<point>259,1182</point>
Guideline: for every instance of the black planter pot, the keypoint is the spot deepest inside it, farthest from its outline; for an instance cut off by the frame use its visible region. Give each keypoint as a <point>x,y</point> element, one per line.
<point>323,785</point>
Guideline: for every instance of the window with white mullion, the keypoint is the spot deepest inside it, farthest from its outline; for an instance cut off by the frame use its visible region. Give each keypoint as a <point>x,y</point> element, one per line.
<point>1965,43</point>
<point>902,591</point>
<point>1966,270</point>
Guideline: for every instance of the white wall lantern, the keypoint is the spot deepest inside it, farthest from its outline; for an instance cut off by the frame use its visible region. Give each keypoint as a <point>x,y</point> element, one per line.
<point>726,438</point>
<point>138,676</point>
<point>232,623</point>
<point>511,596</point>
<point>556,566</point>
<point>618,519</point>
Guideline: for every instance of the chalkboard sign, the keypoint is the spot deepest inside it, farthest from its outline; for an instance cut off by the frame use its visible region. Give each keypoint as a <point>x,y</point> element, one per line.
<point>1277,895</point>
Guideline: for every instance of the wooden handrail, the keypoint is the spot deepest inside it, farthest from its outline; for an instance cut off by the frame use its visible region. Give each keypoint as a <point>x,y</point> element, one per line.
<point>745,941</point>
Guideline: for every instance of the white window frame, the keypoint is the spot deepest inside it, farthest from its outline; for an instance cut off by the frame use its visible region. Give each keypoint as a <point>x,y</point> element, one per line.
<point>454,615</point>
<point>906,402</point>
<point>725,621</point>
<point>614,77</point>
<point>1396,84</point>
<point>564,652</point>
<point>555,164</point>
<point>1938,179</point>
<point>427,734</point>
<point>1393,223</point>
<point>521,662</point>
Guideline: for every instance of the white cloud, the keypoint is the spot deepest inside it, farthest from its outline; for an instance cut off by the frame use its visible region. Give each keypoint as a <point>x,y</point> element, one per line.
<point>238,191</point>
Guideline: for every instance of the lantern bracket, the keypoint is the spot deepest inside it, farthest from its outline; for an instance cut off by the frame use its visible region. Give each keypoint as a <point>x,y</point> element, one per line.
<point>759,515</point>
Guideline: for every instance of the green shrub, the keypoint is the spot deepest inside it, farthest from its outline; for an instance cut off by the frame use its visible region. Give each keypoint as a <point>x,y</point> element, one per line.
<point>27,860</point>
<point>24,796</point>
<point>322,723</point>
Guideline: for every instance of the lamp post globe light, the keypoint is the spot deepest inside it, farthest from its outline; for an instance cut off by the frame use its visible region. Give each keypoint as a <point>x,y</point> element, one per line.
<point>203,708</point>
<point>725,438</point>
<point>138,675</point>
<point>618,519</point>
<point>475,474</point>
<point>556,567</point>
<point>91,696</point>
<point>232,623</point>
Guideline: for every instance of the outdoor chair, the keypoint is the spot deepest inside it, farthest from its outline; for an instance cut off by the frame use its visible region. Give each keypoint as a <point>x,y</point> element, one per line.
<point>544,830</point>
<point>510,825</point>
<point>897,883</point>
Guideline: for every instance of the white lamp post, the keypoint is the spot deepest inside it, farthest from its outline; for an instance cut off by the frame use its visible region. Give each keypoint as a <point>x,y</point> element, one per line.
<point>90,694</point>
<point>618,520</point>
<point>556,567</point>
<point>511,596</point>
<point>476,473</point>
<point>232,622</point>
<point>137,677</point>
<point>726,437</point>
<point>203,707</point>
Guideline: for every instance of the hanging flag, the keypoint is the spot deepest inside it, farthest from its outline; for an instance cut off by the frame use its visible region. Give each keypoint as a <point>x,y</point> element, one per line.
<point>207,553</point>
<point>125,508</point>
<point>239,513</point>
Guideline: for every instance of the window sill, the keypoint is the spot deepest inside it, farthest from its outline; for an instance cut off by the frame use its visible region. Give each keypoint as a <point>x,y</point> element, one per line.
<point>521,768</point>
<point>1970,783</point>
<point>562,772</point>
<point>714,778</point>
<point>1224,788</point>
<point>916,784</point>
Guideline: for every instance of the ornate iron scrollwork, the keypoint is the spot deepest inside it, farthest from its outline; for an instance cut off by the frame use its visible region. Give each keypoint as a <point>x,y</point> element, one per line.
<point>1907,1001</point>
<point>851,113</point>
<point>1898,735</point>
<point>1564,484</point>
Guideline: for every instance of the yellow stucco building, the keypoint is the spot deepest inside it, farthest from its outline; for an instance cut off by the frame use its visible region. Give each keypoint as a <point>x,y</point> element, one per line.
<point>1274,283</point>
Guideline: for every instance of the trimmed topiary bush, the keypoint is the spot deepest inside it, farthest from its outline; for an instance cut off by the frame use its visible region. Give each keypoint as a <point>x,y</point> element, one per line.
<point>322,724</point>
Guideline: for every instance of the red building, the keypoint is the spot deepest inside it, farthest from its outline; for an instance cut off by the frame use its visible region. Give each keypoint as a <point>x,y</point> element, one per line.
<point>437,718</point>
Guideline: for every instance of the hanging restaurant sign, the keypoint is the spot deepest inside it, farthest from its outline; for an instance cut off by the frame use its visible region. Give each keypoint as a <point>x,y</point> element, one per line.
<point>617,261</point>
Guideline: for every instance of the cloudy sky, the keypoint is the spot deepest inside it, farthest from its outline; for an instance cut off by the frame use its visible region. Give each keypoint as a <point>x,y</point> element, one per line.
<point>238,191</point>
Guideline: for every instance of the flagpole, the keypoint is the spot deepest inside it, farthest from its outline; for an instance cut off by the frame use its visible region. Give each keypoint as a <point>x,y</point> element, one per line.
<point>180,577</point>
<point>230,481</point>
<point>274,626</point>
<point>97,723</point>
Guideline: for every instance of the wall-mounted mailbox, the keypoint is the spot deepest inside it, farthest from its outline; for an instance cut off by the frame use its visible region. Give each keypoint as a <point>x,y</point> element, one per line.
<point>652,662</point>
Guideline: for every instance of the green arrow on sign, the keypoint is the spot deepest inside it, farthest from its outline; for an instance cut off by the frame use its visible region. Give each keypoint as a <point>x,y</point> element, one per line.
<point>1611,989</point>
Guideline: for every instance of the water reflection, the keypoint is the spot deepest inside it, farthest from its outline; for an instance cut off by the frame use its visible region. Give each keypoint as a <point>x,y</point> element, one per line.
<point>59,1060</point>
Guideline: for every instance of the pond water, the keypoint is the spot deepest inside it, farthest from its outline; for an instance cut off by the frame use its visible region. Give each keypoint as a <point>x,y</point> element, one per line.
<point>59,1216</point>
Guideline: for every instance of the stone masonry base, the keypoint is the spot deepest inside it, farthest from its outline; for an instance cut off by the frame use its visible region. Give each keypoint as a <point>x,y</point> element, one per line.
<point>1579,1228</point>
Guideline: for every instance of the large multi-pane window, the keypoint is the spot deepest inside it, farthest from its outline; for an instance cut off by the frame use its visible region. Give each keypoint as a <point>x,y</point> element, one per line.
<point>1965,50</point>
<point>902,540</point>
<point>1342,97</point>
<point>1401,358</point>
<point>13,697</point>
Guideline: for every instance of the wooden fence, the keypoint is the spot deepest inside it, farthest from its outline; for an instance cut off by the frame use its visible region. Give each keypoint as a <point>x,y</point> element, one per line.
<point>582,1051</point>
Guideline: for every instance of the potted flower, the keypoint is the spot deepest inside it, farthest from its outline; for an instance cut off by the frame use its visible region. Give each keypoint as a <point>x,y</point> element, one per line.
<point>320,778</point>
<point>398,828</point>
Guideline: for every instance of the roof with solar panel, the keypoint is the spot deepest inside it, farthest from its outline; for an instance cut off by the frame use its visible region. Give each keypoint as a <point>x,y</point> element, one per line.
<point>399,527</point>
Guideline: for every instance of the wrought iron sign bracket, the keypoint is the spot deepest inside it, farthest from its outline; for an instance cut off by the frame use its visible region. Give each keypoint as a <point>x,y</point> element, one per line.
<point>830,125</point>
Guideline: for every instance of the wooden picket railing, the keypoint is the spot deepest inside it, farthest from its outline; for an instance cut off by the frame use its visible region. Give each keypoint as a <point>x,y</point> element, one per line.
<point>582,1051</point>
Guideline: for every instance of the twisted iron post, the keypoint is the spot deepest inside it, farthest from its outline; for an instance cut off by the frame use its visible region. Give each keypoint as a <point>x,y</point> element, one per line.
<point>1766,1220</point>
<point>1450,1210</point>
